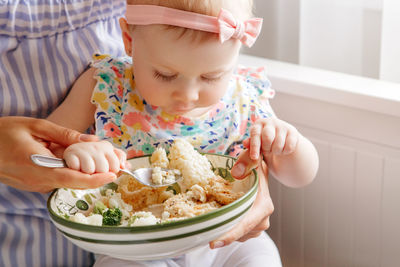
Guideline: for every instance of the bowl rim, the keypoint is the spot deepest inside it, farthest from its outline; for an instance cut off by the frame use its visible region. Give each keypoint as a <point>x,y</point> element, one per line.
<point>157,239</point>
<point>157,227</point>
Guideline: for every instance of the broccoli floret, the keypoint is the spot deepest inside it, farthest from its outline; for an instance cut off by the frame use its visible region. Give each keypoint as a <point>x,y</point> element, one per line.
<point>112,217</point>
<point>99,207</point>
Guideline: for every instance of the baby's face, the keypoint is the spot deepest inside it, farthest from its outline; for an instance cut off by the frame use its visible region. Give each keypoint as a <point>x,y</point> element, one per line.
<point>182,76</point>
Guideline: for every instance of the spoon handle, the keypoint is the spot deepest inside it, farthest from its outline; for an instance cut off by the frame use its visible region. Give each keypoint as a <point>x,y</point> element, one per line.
<point>47,161</point>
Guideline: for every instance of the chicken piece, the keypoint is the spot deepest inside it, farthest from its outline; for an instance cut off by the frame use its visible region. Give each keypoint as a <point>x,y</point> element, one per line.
<point>221,191</point>
<point>140,196</point>
<point>183,206</point>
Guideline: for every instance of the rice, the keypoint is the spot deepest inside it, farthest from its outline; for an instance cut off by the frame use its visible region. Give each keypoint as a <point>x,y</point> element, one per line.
<point>195,168</point>
<point>159,158</point>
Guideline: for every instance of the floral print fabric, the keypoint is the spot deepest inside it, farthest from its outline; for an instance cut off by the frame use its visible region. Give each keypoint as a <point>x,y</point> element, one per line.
<point>124,118</point>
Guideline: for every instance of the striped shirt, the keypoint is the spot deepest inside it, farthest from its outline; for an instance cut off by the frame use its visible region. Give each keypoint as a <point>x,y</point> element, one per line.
<point>44,46</point>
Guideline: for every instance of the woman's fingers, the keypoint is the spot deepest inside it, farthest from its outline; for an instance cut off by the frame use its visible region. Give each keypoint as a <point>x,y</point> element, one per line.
<point>257,218</point>
<point>77,180</point>
<point>244,165</point>
<point>52,132</point>
<point>261,227</point>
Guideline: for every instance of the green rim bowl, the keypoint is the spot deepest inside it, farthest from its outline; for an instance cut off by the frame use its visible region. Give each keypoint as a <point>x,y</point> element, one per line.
<point>152,241</point>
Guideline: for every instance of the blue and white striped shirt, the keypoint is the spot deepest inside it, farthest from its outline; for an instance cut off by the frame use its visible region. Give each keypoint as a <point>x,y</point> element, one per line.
<point>44,46</point>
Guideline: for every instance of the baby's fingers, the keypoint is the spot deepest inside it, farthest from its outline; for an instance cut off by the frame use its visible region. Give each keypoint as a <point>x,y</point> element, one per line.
<point>267,137</point>
<point>72,161</point>
<point>292,139</point>
<point>279,141</point>
<point>121,157</point>
<point>255,141</point>
<point>101,163</point>
<point>88,164</point>
<point>116,160</point>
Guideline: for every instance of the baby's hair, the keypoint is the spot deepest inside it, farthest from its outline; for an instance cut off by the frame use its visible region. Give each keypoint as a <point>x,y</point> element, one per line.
<point>241,10</point>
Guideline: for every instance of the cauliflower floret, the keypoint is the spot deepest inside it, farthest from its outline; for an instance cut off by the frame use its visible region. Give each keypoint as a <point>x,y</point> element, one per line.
<point>141,218</point>
<point>94,219</point>
<point>160,176</point>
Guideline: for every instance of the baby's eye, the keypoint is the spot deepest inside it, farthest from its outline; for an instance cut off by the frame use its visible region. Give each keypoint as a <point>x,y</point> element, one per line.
<point>211,79</point>
<point>163,77</point>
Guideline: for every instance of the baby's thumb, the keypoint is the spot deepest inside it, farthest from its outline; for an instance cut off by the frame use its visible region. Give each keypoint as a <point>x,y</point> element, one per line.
<point>54,133</point>
<point>244,165</point>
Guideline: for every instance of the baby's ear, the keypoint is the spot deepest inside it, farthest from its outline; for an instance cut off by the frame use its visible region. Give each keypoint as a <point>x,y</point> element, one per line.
<point>126,36</point>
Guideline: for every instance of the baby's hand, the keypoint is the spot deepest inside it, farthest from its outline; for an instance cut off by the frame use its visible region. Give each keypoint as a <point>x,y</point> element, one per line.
<point>271,136</point>
<point>94,157</point>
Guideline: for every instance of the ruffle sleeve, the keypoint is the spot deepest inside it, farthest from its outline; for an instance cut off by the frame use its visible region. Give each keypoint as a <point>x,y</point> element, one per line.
<point>256,91</point>
<point>108,93</point>
<point>257,78</point>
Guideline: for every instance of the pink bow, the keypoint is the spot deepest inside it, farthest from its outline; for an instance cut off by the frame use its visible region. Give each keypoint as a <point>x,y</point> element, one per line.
<point>247,31</point>
<point>225,24</point>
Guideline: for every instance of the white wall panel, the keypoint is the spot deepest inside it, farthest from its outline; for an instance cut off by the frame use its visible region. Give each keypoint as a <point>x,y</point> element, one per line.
<point>367,204</point>
<point>350,214</point>
<point>340,208</point>
<point>292,227</point>
<point>275,230</point>
<point>316,211</point>
<point>390,214</point>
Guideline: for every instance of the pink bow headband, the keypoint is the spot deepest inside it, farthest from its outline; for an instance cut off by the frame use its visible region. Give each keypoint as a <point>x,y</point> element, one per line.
<point>225,24</point>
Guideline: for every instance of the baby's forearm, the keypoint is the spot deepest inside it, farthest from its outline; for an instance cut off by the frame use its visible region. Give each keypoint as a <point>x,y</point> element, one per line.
<point>298,168</point>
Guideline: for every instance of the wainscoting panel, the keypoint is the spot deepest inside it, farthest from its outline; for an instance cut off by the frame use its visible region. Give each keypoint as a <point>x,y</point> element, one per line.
<point>350,214</point>
<point>390,214</point>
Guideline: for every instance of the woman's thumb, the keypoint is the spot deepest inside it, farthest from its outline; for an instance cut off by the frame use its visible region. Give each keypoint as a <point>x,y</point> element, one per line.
<point>54,133</point>
<point>244,165</point>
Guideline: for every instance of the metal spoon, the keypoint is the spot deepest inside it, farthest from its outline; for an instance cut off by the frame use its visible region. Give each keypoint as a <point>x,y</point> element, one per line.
<point>142,175</point>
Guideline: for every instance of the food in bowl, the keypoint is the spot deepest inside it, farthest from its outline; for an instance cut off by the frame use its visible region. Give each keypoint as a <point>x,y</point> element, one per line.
<point>130,203</point>
<point>156,241</point>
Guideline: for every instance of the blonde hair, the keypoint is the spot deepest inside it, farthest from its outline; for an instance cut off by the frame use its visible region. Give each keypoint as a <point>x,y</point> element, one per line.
<point>241,9</point>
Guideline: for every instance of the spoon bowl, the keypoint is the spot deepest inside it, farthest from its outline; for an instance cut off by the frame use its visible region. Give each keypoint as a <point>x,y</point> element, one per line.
<point>142,175</point>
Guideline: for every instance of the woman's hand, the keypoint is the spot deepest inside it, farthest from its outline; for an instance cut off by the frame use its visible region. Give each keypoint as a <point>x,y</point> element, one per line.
<point>21,137</point>
<point>95,157</point>
<point>257,218</point>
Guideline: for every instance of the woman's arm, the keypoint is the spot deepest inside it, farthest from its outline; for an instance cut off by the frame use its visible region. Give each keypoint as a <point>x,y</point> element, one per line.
<point>77,112</point>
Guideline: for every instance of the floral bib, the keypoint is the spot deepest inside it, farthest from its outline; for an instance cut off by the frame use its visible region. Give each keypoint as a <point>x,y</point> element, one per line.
<point>124,118</point>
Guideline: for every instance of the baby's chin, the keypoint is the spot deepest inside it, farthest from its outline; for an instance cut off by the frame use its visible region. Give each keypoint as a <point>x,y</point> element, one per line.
<point>195,112</point>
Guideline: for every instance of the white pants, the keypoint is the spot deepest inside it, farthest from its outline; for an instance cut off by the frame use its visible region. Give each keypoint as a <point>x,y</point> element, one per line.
<point>255,252</point>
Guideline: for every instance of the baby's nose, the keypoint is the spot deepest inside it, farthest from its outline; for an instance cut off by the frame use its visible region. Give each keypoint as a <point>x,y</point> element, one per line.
<point>188,95</point>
